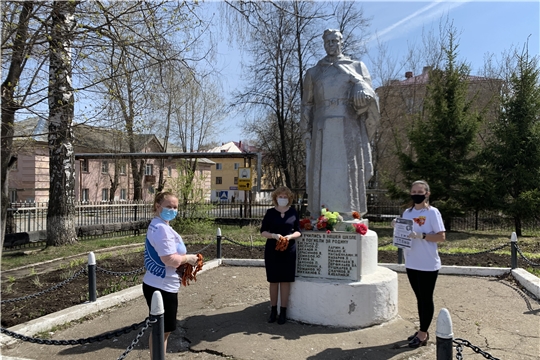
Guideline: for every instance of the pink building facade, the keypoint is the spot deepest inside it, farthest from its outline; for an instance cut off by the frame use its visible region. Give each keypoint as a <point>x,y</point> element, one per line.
<point>29,178</point>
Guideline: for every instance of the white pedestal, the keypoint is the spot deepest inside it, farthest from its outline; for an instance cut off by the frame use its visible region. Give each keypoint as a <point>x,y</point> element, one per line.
<point>339,282</point>
<point>371,301</point>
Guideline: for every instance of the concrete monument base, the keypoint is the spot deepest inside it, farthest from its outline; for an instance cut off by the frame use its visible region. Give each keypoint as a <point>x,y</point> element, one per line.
<point>339,282</point>
<point>341,303</point>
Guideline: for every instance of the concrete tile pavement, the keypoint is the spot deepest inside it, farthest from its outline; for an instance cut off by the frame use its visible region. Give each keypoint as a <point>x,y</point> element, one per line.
<point>224,313</point>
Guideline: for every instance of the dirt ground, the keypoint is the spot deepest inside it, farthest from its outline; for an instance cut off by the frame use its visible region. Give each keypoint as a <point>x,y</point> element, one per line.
<point>15,285</point>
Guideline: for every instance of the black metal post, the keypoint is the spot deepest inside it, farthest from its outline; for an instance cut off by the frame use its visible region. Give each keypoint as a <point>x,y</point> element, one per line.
<point>513,250</point>
<point>92,293</point>
<point>445,335</point>
<point>158,332</point>
<point>218,251</point>
<point>400,256</point>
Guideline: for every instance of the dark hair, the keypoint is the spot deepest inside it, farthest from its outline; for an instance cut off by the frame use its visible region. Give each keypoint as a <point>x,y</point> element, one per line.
<point>158,199</point>
<point>426,186</point>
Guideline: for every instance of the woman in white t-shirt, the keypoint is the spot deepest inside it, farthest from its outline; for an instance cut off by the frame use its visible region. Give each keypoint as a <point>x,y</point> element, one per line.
<point>422,260</point>
<point>164,252</point>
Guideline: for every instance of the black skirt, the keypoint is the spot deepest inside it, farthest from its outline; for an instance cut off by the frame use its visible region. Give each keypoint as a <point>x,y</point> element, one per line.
<point>280,265</point>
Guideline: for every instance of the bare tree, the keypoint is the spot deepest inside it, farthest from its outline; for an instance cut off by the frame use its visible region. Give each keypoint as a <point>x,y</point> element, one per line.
<point>283,39</point>
<point>23,60</point>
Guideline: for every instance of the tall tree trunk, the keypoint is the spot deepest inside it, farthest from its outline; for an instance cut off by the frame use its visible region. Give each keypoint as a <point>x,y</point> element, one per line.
<point>518,225</point>
<point>60,215</point>
<point>9,107</point>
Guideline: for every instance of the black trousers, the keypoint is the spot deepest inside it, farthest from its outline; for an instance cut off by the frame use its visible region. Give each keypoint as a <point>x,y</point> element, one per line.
<point>423,285</point>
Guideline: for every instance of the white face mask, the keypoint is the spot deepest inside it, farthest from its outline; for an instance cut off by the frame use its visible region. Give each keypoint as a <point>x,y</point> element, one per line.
<point>282,202</point>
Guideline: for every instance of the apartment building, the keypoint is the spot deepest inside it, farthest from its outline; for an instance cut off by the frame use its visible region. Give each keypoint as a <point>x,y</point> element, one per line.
<point>229,170</point>
<point>402,100</point>
<point>96,179</point>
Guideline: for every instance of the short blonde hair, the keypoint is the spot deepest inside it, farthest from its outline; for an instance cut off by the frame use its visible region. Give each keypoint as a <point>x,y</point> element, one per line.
<point>282,190</point>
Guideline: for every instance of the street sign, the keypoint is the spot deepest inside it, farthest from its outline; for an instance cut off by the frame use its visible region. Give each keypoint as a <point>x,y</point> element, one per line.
<point>244,184</point>
<point>223,195</point>
<point>244,173</point>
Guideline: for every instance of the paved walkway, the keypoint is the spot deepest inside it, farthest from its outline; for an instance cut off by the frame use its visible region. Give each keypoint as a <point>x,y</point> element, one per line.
<point>223,315</point>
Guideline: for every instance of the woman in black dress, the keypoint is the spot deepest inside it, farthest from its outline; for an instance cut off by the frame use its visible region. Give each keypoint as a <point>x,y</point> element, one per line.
<point>281,221</point>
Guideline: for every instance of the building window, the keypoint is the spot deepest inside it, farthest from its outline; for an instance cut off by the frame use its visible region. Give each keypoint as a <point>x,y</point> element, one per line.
<point>149,169</point>
<point>105,167</point>
<point>13,196</point>
<point>235,180</point>
<point>236,166</point>
<point>122,169</point>
<point>219,180</point>
<point>123,194</point>
<point>85,195</point>
<point>219,166</point>
<point>104,194</point>
<point>217,194</point>
<point>84,165</point>
<point>169,171</point>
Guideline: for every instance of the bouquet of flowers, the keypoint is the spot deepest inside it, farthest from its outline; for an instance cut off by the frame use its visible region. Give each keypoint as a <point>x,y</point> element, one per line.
<point>328,220</point>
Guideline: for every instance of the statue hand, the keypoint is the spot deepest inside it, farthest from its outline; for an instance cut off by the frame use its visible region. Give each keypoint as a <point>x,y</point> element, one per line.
<point>361,101</point>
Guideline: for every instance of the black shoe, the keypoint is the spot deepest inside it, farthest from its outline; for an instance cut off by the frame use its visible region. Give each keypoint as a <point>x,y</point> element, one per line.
<point>412,336</point>
<point>282,316</point>
<point>273,314</point>
<point>416,342</point>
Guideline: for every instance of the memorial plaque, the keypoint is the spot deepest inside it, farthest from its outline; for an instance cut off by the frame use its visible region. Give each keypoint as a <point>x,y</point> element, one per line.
<point>332,256</point>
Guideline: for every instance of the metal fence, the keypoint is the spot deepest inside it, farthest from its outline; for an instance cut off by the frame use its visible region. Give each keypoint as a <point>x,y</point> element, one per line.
<point>32,216</point>
<point>29,217</point>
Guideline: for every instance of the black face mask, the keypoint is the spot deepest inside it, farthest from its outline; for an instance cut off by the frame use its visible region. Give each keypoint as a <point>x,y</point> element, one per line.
<point>418,198</point>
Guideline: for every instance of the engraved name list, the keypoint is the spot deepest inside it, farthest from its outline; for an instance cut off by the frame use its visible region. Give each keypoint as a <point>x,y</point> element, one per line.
<point>323,255</point>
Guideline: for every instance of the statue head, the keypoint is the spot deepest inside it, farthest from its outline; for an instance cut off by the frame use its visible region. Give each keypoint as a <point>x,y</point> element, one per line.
<point>333,42</point>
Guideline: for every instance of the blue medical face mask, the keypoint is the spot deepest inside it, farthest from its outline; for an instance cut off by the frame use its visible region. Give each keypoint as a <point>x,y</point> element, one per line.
<point>168,214</point>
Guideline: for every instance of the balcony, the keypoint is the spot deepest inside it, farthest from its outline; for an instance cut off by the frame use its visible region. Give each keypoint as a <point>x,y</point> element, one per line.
<point>150,179</point>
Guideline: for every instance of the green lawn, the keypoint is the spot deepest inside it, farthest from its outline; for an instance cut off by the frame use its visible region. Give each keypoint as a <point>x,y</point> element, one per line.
<point>457,242</point>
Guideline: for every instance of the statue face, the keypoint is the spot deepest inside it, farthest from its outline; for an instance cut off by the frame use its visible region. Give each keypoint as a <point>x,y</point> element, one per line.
<point>332,45</point>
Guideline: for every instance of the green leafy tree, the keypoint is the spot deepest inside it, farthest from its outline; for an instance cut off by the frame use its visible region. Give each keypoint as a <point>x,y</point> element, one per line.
<point>193,210</point>
<point>442,136</point>
<point>512,155</point>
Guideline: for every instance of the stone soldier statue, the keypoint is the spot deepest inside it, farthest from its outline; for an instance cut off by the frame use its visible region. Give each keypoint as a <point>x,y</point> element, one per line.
<point>340,114</point>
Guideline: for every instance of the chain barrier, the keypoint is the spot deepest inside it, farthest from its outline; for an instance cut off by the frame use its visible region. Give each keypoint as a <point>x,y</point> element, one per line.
<point>136,340</point>
<point>522,294</point>
<point>204,248</point>
<point>476,349</point>
<point>127,273</point>
<point>99,338</point>
<point>524,258</point>
<point>237,243</point>
<point>83,270</point>
<point>476,253</point>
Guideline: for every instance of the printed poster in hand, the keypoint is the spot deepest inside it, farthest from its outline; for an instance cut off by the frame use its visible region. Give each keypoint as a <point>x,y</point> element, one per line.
<point>401,233</point>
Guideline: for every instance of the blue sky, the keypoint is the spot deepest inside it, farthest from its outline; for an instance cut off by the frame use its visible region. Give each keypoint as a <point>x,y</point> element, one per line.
<point>484,26</point>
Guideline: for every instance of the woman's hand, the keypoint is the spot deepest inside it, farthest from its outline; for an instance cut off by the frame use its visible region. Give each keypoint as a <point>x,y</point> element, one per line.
<point>191,259</point>
<point>416,235</point>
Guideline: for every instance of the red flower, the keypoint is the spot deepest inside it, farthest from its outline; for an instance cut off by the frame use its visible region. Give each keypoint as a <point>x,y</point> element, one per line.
<point>305,224</point>
<point>328,231</point>
<point>356,214</point>
<point>361,228</point>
